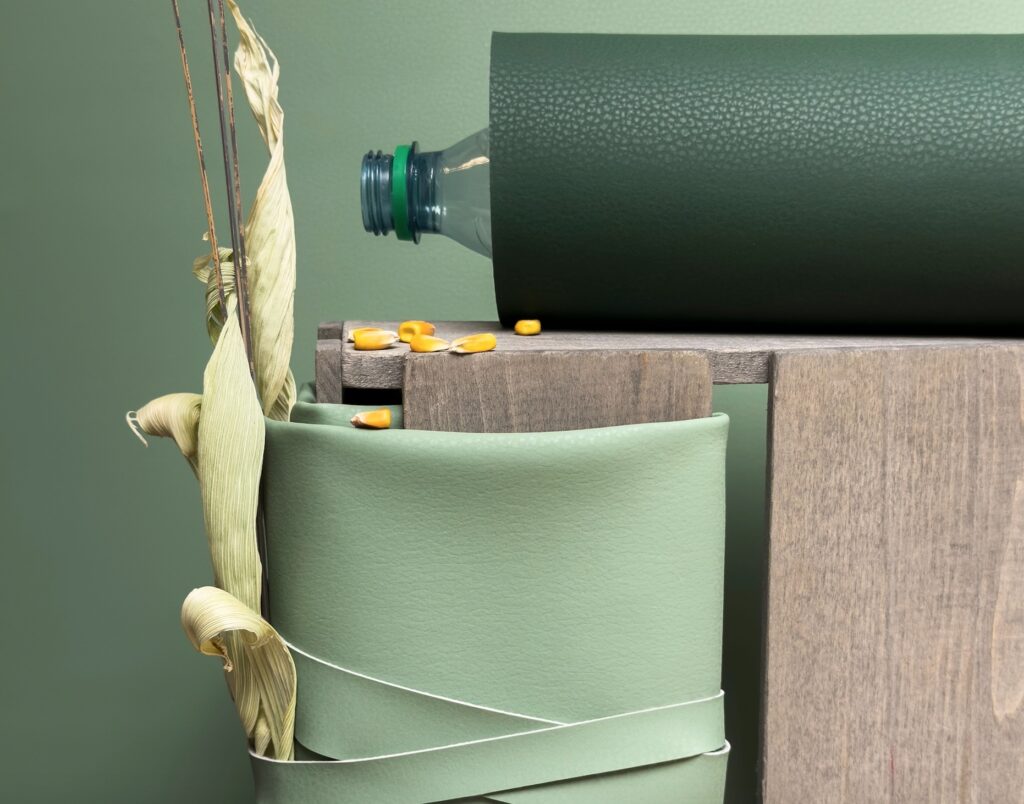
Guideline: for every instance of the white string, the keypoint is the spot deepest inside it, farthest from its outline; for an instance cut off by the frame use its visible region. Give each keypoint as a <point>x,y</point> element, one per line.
<point>556,726</point>
<point>456,701</point>
<point>355,760</point>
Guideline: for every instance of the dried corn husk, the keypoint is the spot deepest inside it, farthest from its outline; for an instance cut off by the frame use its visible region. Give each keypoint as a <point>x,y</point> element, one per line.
<point>221,433</point>
<point>259,668</point>
<point>172,416</point>
<point>229,458</point>
<point>203,270</point>
<point>269,230</point>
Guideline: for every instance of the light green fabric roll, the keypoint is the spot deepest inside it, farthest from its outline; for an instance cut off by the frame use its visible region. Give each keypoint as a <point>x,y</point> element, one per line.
<point>473,614</point>
<point>696,780</point>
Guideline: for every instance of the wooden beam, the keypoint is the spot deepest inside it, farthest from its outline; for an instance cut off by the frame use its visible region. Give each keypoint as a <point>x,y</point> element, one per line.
<point>328,370</point>
<point>503,392</point>
<point>742,358</point>
<point>895,607</point>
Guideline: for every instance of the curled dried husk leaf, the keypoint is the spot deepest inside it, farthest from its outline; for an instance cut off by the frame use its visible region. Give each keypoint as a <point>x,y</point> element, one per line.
<point>172,416</point>
<point>269,230</point>
<point>230,456</point>
<point>203,268</point>
<point>259,668</point>
<point>222,433</point>
<point>229,459</point>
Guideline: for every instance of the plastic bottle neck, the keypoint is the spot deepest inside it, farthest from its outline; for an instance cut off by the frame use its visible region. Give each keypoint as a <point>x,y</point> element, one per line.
<point>398,192</point>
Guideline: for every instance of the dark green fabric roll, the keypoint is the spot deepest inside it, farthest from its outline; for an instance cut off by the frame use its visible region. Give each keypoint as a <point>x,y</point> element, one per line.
<point>743,182</point>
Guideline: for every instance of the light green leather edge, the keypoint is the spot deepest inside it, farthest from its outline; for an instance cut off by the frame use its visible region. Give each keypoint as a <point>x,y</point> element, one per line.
<point>696,780</point>
<point>700,778</point>
<point>473,587</point>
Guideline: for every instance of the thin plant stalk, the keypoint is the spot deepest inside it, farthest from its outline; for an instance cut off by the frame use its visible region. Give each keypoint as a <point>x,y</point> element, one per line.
<point>242,269</point>
<point>202,162</point>
<point>234,205</point>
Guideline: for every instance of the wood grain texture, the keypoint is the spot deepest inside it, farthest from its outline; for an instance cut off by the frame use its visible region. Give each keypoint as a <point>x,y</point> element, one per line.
<point>505,392</point>
<point>734,358</point>
<point>894,665</point>
<point>328,370</point>
<point>330,330</point>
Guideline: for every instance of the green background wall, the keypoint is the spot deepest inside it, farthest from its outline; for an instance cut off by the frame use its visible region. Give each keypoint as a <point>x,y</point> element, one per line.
<point>100,217</point>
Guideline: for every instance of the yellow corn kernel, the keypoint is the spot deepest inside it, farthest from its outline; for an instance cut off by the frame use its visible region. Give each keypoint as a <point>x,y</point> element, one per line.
<point>528,326</point>
<point>378,339</point>
<point>428,343</point>
<point>408,330</point>
<point>373,419</point>
<point>352,333</point>
<point>482,342</point>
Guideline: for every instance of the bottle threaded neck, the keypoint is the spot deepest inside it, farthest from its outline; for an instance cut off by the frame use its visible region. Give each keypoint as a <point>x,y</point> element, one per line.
<point>398,192</point>
<point>375,192</point>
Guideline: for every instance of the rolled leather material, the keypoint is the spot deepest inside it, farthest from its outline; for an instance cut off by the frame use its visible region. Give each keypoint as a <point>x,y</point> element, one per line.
<point>523,618</point>
<point>850,183</point>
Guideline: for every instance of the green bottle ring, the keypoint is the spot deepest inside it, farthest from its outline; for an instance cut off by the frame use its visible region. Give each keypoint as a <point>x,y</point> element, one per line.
<point>399,192</point>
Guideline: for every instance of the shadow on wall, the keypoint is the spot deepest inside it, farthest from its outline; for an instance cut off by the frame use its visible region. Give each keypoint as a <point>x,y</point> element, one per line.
<point>744,582</point>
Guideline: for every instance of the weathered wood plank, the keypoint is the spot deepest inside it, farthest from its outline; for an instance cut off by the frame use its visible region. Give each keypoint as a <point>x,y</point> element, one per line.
<point>501,392</point>
<point>734,358</point>
<point>328,370</point>
<point>330,330</point>
<point>895,606</point>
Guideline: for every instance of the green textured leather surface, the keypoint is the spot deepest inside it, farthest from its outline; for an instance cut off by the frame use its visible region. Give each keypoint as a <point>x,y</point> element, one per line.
<point>554,577</point>
<point>743,182</point>
<point>699,779</point>
<point>695,780</point>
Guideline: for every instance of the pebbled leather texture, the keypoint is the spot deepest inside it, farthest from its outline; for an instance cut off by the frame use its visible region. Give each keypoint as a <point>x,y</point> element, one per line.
<point>564,576</point>
<point>696,780</point>
<point>857,183</point>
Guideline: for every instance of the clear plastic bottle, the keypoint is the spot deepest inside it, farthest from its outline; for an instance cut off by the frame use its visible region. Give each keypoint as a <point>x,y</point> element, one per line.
<point>446,192</point>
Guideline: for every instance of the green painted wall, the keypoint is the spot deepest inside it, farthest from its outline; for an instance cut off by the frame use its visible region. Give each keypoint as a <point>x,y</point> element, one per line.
<point>100,217</point>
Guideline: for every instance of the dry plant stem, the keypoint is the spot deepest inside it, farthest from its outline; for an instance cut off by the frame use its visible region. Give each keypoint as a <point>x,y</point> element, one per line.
<point>242,265</point>
<point>202,161</point>
<point>235,224</point>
